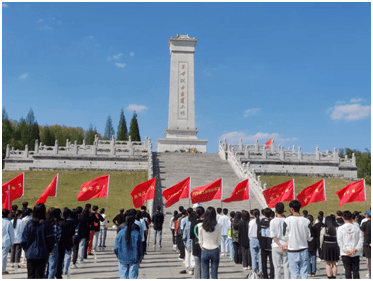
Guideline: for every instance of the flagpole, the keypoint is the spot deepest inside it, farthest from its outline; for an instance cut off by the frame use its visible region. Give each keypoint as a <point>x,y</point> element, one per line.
<point>365,194</point>
<point>55,197</point>
<point>326,207</point>
<point>23,185</point>
<point>221,198</point>
<point>248,181</point>
<point>107,195</point>
<point>10,209</point>
<point>294,189</point>
<point>190,191</point>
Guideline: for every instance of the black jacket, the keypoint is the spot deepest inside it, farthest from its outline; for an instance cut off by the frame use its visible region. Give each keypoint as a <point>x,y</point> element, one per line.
<point>67,233</point>
<point>312,246</point>
<point>243,233</point>
<point>264,236</point>
<point>157,220</point>
<point>196,248</point>
<point>119,219</point>
<point>94,221</point>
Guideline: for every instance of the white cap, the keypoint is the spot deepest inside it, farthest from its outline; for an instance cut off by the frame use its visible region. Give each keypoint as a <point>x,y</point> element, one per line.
<point>197,205</point>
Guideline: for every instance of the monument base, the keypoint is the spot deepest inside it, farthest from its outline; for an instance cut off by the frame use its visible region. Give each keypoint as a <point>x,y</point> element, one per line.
<point>173,144</point>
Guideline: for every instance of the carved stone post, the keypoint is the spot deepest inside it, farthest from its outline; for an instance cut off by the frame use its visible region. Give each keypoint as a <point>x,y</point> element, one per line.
<point>282,154</point>
<point>83,143</point>
<point>146,142</point>
<point>225,146</point>
<point>113,150</point>
<point>264,153</point>
<point>112,141</point>
<point>129,141</point>
<point>353,159</point>
<point>7,153</point>
<point>300,154</point>
<point>335,154</point>
<point>272,146</point>
<point>260,181</point>
<point>257,146</point>
<point>94,148</point>
<point>26,151</point>
<point>56,147</point>
<point>317,154</point>
<point>264,186</point>
<point>67,143</point>
<point>96,138</point>
<point>278,148</point>
<point>293,148</point>
<point>240,145</point>
<point>247,152</point>
<point>36,150</point>
<point>76,147</point>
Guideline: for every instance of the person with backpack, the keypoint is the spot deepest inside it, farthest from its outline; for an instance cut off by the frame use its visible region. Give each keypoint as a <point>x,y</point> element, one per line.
<point>157,220</point>
<point>128,249</point>
<point>265,241</point>
<point>196,248</point>
<point>38,241</point>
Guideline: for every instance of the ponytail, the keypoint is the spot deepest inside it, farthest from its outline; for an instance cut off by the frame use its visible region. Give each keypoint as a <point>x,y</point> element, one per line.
<point>130,220</point>
<point>256,214</point>
<point>19,212</point>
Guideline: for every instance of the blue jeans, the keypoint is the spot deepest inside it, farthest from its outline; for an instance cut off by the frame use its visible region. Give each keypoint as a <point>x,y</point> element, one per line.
<point>81,249</point>
<point>66,262</point>
<point>312,264</point>
<point>298,264</point>
<point>206,257</point>
<point>224,244</point>
<point>53,261</point>
<point>231,249</point>
<point>155,237</point>
<point>102,237</point>
<point>128,270</point>
<point>255,254</point>
<point>5,254</point>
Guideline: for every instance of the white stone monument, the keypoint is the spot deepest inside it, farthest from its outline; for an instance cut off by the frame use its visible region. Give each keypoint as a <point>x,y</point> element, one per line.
<point>181,132</point>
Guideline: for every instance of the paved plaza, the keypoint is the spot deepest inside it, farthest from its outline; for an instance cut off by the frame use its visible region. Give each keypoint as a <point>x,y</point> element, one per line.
<point>160,264</point>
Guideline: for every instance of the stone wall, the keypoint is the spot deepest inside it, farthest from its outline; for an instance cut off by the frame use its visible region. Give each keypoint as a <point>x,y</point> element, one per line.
<point>102,155</point>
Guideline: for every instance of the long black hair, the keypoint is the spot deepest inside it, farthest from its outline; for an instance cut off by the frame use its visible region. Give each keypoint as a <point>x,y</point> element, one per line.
<point>192,216</point>
<point>331,226</point>
<point>175,214</point>
<point>19,212</point>
<point>130,220</point>
<point>51,216</point>
<point>200,211</point>
<point>256,214</point>
<point>236,221</point>
<point>39,214</point>
<point>210,222</point>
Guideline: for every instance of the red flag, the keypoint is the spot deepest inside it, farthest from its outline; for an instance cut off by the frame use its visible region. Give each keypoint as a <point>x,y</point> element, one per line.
<point>268,143</point>
<point>240,192</point>
<point>177,192</point>
<point>279,193</point>
<point>51,190</point>
<point>15,187</point>
<point>313,193</point>
<point>96,188</point>
<point>7,202</point>
<point>143,191</point>
<point>208,192</point>
<point>354,192</point>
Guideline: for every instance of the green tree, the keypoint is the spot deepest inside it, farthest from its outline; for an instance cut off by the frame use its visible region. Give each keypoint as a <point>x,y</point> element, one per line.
<point>5,115</point>
<point>109,130</point>
<point>48,137</point>
<point>122,127</point>
<point>90,135</point>
<point>7,136</point>
<point>134,128</point>
<point>363,162</point>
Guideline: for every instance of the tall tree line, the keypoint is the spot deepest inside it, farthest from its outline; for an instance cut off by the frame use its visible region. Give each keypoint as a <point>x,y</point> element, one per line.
<point>25,131</point>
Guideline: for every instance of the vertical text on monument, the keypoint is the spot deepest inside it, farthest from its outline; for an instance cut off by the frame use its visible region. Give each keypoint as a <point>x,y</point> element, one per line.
<point>183,90</point>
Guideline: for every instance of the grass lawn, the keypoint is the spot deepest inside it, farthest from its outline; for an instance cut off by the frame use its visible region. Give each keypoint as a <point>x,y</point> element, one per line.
<point>332,186</point>
<point>121,184</point>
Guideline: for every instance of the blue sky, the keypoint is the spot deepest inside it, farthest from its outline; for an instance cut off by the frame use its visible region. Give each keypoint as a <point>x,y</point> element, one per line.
<point>295,72</point>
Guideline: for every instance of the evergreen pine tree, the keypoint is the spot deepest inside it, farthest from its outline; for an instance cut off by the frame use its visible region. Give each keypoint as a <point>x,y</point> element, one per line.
<point>5,114</point>
<point>48,137</point>
<point>122,127</point>
<point>109,130</point>
<point>134,129</point>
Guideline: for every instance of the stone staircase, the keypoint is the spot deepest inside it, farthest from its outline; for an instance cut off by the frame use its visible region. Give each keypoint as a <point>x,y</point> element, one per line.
<point>171,168</point>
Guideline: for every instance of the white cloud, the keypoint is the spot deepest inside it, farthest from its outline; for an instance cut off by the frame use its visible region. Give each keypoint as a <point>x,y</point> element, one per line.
<point>23,76</point>
<point>5,5</point>
<point>350,112</point>
<point>39,21</point>
<point>250,112</point>
<point>89,37</point>
<point>234,137</point>
<point>120,64</point>
<point>136,107</point>
<point>115,57</point>
<point>132,54</point>
<point>356,100</point>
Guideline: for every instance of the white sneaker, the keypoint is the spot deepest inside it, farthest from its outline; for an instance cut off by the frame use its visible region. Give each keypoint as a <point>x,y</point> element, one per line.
<point>245,268</point>
<point>153,246</point>
<point>249,267</point>
<point>222,254</point>
<point>180,259</point>
<point>191,272</point>
<point>73,266</point>
<point>82,261</point>
<point>367,275</point>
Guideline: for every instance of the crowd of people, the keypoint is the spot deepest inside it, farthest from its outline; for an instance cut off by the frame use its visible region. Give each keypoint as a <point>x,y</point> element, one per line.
<point>257,238</point>
<point>52,241</point>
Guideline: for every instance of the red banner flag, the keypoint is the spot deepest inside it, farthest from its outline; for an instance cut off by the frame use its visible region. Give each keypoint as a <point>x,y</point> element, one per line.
<point>177,192</point>
<point>354,192</point>
<point>268,143</point>
<point>143,191</point>
<point>51,190</point>
<point>240,192</point>
<point>313,193</point>
<point>7,202</point>
<point>279,193</point>
<point>208,192</point>
<point>15,186</point>
<point>96,188</point>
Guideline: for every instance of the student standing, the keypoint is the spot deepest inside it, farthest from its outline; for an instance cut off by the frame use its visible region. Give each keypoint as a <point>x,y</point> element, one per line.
<point>279,255</point>
<point>265,242</point>
<point>103,229</point>
<point>128,249</point>
<point>8,238</point>
<point>297,235</point>
<point>224,220</point>
<point>188,243</point>
<point>254,242</point>
<point>209,236</point>
<point>329,246</point>
<point>172,228</point>
<point>235,239</point>
<point>366,229</point>
<point>196,249</point>
<point>350,241</point>
<point>312,248</point>
<point>230,242</point>
<point>158,219</point>
<point>244,239</point>
<point>18,226</point>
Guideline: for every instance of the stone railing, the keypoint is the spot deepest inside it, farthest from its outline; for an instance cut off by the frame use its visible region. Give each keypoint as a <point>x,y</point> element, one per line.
<point>103,148</point>
<point>243,173</point>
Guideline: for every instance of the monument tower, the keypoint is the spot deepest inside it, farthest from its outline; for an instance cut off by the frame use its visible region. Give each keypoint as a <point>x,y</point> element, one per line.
<point>181,132</point>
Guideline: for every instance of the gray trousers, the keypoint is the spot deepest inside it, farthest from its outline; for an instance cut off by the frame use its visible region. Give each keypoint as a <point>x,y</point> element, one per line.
<point>277,256</point>
<point>197,268</point>
<point>15,256</point>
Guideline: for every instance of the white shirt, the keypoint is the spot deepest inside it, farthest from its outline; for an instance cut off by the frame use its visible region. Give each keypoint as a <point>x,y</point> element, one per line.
<point>225,222</point>
<point>105,222</point>
<point>363,220</point>
<point>349,237</point>
<point>209,240</point>
<point>253,229</point>
<point>8,233</point>
<point>143,224</point>
<point>276,229</point>
<point>20,226</point>
<point>218,217</point>
<point>297,232</point>
<point>172,223</point>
